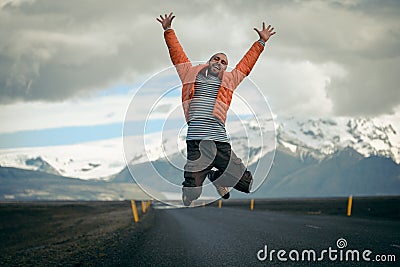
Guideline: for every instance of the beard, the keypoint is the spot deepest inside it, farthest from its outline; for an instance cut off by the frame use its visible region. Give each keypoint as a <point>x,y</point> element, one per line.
<point>214,69</point>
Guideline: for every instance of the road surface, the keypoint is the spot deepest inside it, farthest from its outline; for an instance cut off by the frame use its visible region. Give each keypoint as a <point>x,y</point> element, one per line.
<point>104,234</point>
<point>233,237</point>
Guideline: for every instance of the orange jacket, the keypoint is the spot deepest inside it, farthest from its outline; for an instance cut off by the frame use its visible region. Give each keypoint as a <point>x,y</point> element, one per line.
<point>230,80</point>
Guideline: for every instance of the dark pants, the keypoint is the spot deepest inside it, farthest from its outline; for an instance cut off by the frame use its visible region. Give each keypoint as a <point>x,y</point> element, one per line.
<point>203,155</point>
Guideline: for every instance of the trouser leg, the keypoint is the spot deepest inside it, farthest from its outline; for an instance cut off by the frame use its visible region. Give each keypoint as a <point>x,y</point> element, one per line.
<point>200,157</point>
<point>231,170</point>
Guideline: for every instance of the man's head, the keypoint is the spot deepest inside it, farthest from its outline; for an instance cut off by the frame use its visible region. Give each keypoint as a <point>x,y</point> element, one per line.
<point>217,64</point>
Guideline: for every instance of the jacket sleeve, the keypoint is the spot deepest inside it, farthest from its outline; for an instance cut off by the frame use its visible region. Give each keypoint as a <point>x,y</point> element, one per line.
<point>246,64</point>
<point>176,53</point>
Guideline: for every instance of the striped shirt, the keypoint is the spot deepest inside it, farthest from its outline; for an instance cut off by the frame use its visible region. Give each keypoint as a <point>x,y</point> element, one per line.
<point>203,125</point>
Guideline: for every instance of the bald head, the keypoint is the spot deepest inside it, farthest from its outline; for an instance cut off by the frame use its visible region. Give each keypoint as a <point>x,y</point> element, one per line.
<point>217,64</point>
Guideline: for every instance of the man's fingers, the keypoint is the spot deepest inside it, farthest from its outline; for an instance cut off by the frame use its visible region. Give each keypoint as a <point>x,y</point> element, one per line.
<point>258,32</point>
<point>159,20</point>
<point>172,18</point>
<point>263,26</point>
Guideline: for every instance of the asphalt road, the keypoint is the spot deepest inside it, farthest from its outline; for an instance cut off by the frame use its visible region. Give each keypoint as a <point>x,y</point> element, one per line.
<point>233,237</point>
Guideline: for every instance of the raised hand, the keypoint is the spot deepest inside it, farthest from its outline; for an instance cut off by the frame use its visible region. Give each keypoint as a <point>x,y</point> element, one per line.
<point>265,33</point>
<point>166,21</point>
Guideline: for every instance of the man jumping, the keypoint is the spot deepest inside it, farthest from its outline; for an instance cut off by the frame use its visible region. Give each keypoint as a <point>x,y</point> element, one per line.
<point>207,91</point>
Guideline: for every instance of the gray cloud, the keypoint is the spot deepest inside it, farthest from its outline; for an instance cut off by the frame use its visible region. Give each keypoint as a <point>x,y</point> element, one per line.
<point>54,50</point>
<point>360,37</point>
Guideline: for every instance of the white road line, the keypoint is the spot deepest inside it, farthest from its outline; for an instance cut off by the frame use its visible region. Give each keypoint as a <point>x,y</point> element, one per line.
<point>312,226</point>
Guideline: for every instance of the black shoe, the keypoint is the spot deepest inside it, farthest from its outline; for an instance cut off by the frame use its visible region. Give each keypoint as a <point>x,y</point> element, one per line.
<point>245,183</point>
<point>222,191</point>
<point>186,201</point>
<point>226,196</point>
<point>189,194</point>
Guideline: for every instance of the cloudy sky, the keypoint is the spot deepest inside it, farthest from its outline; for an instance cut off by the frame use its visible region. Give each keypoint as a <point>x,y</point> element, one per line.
<point>70,68</point>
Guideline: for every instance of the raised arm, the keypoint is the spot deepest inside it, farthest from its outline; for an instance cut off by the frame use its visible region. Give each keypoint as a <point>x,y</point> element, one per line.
<point>176,52</point>
<point>248,61</point>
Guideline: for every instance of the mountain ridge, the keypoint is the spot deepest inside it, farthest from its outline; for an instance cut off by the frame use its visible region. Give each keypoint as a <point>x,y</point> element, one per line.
<point>300,143</point>
<point>28,185</point>
<point>342,173</point>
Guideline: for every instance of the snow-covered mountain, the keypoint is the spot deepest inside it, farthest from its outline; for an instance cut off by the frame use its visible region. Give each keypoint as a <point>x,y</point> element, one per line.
<point>251,139</point>
<point>86,161</point>
<point>322,137</point>
<point>27,185</point>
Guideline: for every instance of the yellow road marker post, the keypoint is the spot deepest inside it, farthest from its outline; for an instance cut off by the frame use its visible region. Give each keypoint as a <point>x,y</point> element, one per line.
<point>219,203</point>
<point>349,205</point>
<point>252,204</point>
<point>143,207</point>
<point>134,210</point>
